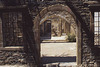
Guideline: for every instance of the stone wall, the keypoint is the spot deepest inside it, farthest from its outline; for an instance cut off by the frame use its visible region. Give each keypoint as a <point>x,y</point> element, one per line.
<point>11,57</point>
<point>90,56</point>
<point>88,51</point>
<point>16,56</point>
<point>1,37</point>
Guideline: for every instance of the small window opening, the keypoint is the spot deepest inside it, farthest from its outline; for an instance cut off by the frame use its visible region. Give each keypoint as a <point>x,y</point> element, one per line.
<point>96,28</point>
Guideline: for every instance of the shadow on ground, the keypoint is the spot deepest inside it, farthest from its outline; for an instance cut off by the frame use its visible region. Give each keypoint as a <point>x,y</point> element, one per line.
<point>46,60</point>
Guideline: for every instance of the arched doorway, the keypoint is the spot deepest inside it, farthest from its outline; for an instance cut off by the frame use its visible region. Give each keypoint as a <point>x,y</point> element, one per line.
<point>53,9</point>
<point>63,19</point>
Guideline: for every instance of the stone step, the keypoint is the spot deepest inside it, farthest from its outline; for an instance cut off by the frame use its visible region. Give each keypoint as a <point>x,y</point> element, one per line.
<point>60,65</point>
<point>54,41</point>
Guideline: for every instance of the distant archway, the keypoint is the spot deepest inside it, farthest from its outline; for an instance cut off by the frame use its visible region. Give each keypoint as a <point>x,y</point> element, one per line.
<point>62,15</point>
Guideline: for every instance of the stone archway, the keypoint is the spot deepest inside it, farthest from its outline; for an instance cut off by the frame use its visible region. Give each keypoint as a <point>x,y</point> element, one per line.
<point>61,15</point>
<point>58,7</point>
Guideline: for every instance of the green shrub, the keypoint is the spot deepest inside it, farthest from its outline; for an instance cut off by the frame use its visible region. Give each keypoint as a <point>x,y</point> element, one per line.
<point>71,38</point>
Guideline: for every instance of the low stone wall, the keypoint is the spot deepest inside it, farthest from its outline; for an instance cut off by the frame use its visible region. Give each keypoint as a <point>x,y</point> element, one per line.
<point>12,57</point>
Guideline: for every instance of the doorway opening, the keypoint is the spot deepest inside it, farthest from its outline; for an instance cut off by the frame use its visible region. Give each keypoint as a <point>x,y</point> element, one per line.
<point>58,41</point>
<point>57,24</point>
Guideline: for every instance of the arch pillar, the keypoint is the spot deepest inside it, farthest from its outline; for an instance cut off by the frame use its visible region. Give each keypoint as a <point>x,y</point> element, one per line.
<point>79,43</point>
<point>60,27</point>
<point>67,28</point>
<point>1,36</point>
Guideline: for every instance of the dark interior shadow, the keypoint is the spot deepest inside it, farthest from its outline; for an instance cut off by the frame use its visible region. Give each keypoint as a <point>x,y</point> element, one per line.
<point>46,37</point>
<point>98,1</point>
<point>46,60</point>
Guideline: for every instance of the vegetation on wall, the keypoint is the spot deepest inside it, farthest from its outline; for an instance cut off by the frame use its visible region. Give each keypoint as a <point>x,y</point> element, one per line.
<point>71,38</point>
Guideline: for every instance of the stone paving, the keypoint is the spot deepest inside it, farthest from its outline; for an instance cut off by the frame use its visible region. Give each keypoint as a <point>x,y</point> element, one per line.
<point>62,54</point>
<point>58,49</point>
